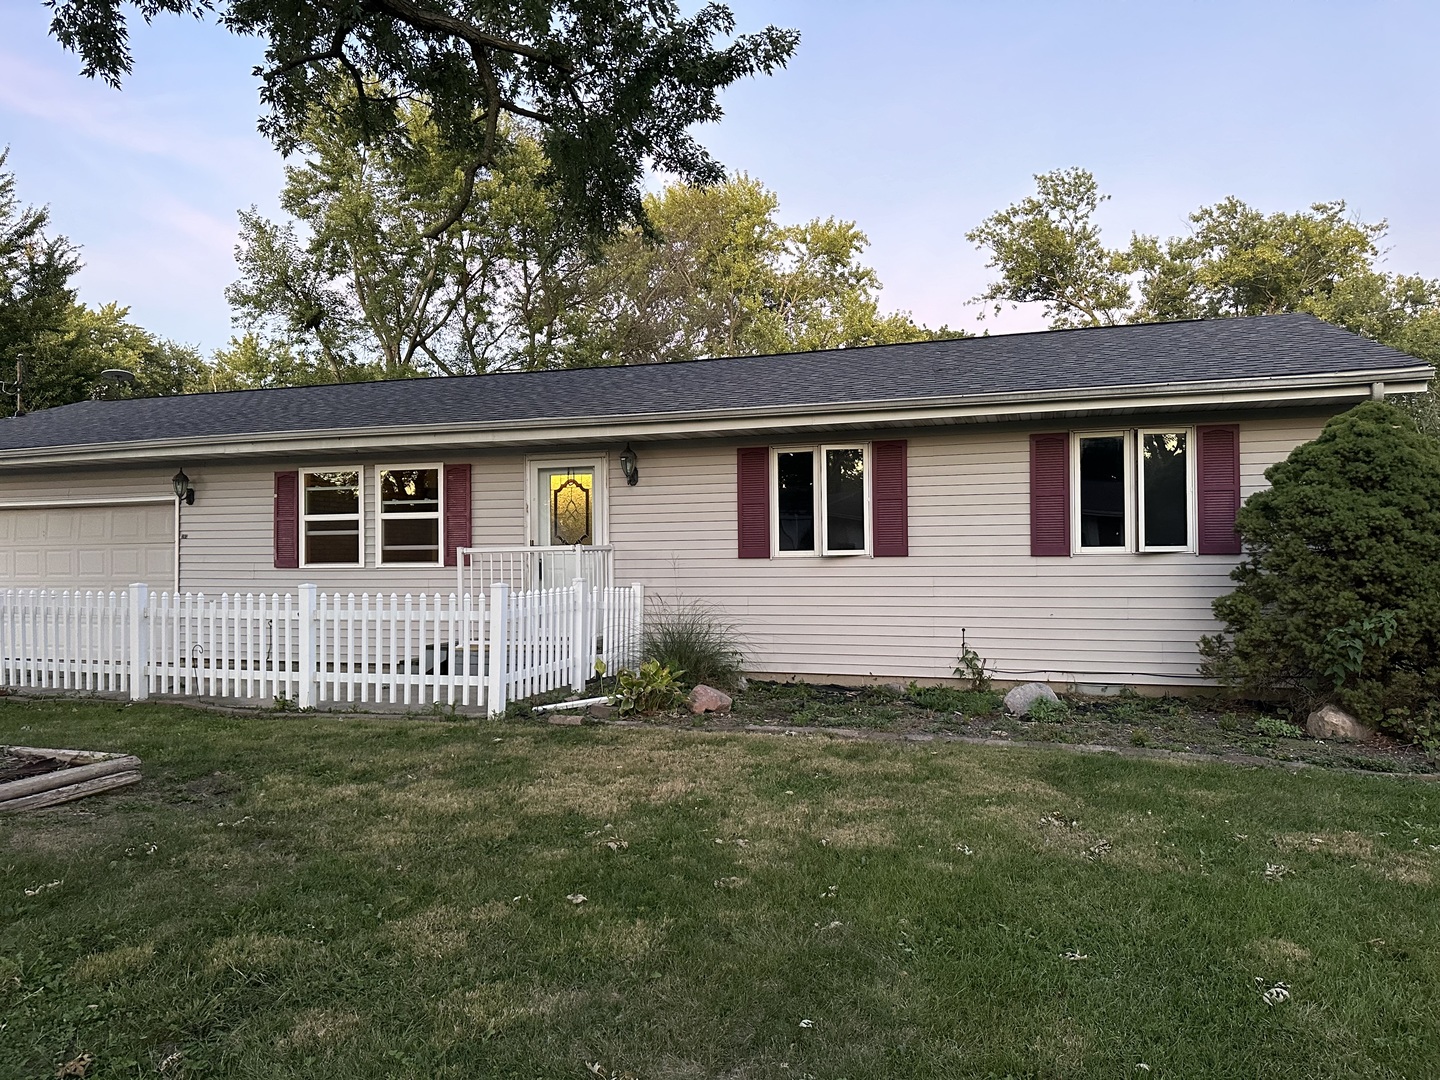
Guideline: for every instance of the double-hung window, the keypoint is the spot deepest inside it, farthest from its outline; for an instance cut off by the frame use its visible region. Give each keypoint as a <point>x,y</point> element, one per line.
<point>822,500</point>
<point>1134,490</point>
<point>409,515</point>
<point>332,526</point>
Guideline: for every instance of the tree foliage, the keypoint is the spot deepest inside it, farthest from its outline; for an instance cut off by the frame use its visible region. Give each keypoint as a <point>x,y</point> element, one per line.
<point>1047,250</point>
<point>1235,260</point>
<point>351,286</point>
<point>613,85</point>
<point>1338,596</point>
<point>723,277</point>
<point>36,296</point>
<point>356,284</point>
<point>60,345</point>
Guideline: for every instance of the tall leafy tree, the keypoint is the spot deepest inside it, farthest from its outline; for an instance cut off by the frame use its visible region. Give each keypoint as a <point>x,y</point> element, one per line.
<point>357,285</point>
<point>721,276</point>
<point>1047,250</point>
<point>1234,260</point>
<point>614,86</point>
<point>36,297</point>
<point>59,345</point>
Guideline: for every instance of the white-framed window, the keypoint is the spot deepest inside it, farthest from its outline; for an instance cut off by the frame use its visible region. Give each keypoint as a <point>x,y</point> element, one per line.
<point>821,500</point>
<point>332,518</point>
<point>408,500</point>
<point>1133,490</point>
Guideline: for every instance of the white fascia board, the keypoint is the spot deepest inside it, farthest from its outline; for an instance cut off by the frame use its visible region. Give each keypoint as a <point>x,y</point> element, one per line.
<point>1279,392</point>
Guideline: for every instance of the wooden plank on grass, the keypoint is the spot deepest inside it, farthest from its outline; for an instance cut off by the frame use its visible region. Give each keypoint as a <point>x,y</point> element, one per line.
<point>73,791</point>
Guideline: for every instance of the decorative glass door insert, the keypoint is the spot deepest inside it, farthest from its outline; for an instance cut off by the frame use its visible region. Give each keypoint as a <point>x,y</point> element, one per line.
<point>567,510</point>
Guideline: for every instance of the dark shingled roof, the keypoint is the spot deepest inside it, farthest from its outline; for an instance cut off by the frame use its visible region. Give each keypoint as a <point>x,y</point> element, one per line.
<point>1101,358</point>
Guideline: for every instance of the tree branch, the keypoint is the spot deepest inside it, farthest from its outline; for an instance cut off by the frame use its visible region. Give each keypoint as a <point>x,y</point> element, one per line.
<point>436,22</point>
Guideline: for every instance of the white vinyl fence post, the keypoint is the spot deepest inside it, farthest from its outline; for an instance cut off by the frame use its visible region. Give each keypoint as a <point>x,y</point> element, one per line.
<point>305,695</point>
<point>581,650</point>
<point>637,628</point>
<point>139,641</point>
<point>497,653</point>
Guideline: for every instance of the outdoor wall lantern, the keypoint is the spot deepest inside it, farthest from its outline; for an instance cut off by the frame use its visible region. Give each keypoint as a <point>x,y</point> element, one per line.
<point>630,465</point>
<point>183,490</point>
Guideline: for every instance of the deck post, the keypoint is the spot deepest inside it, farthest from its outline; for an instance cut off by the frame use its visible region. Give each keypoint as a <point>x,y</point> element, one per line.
<point>139,641</point>
<point>497,654</point>
<point>305,692</point>
<point>582,651</point>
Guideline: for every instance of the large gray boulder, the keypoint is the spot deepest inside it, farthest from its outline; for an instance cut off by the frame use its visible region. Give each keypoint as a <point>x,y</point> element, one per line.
<point>1335,724</point>
<point>1019,701</point>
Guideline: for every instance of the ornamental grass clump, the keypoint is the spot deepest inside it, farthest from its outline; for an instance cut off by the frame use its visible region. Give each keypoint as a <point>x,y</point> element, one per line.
<point>694,638</point>
<point>1338,597</point>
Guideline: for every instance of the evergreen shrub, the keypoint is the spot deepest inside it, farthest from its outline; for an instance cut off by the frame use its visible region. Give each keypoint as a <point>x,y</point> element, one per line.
<point>1338,597</point>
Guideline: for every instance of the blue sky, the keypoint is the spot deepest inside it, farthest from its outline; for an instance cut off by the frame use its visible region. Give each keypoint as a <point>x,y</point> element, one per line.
<point>914,119</point>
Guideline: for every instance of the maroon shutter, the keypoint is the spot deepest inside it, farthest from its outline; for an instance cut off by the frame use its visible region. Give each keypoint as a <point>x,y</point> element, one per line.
<point>1218,470</point>
<point>457,510</point>
<point>890,497</point>
<point>1050,494</point>
<point>752,475</point>
<point>287,520</point>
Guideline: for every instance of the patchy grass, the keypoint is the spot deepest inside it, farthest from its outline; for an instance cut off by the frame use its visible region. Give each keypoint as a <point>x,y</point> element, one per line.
<point>1195,725</point>
<point>300,896</point>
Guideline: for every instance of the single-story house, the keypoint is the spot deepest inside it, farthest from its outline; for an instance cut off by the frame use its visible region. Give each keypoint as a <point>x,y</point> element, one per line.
<point>1062,501</point>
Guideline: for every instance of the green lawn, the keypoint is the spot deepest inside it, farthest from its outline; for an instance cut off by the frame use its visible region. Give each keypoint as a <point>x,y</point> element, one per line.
<point>310,896</point>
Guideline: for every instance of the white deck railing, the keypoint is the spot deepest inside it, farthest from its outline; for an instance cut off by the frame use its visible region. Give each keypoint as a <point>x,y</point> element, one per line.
<point>526,569</point>
<point>320,649</point>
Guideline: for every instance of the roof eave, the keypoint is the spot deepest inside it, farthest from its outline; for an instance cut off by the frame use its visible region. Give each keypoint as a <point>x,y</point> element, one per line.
<point>1275,391</point>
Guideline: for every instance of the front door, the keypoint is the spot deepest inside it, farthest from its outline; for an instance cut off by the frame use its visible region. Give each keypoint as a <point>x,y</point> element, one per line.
<point>566,509</point>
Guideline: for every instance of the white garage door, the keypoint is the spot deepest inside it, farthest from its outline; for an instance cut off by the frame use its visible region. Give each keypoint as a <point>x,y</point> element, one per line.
<point>87,547</point>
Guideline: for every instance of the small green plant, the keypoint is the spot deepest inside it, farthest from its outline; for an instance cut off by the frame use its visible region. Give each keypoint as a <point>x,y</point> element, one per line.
<point>947,699</point>
<point>652,688</point>
<point>1420,726</point>
<point>1345,646</point>
<point>1049,712</point>
<point>1139,737</point>
<point>694,639</point>
<point>972,666</point>
<point>1228,722</point>
<point>1276,727</point>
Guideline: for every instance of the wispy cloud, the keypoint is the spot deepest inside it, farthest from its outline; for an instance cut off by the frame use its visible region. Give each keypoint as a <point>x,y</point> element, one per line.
<point>95,113</point>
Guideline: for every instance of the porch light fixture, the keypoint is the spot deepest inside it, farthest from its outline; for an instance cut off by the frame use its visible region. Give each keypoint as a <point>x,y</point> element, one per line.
<point>630,465</point>
<point>183,491</point>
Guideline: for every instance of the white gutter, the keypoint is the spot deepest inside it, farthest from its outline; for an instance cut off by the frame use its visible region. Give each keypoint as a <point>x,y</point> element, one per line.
<point>1028,405</point>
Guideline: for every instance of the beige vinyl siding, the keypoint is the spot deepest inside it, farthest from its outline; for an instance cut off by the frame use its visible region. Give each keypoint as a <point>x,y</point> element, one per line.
<point>1113,618</point>
<point>1084,619</point>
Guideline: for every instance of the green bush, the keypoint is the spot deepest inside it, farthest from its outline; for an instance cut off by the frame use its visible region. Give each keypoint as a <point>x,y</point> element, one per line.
<point>1338,597</point>
<point>695,639</point>
<point>653,688</point>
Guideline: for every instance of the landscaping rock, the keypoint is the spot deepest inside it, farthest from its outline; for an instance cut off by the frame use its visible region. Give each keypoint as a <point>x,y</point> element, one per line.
<point>602,712</point>
<point>564,719</point>
<point>1019,701</point>
<point>705,699</point>
<point>1336,725</point>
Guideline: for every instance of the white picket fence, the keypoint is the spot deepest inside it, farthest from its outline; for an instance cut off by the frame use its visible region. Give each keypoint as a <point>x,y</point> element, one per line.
<point>317,649</point>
